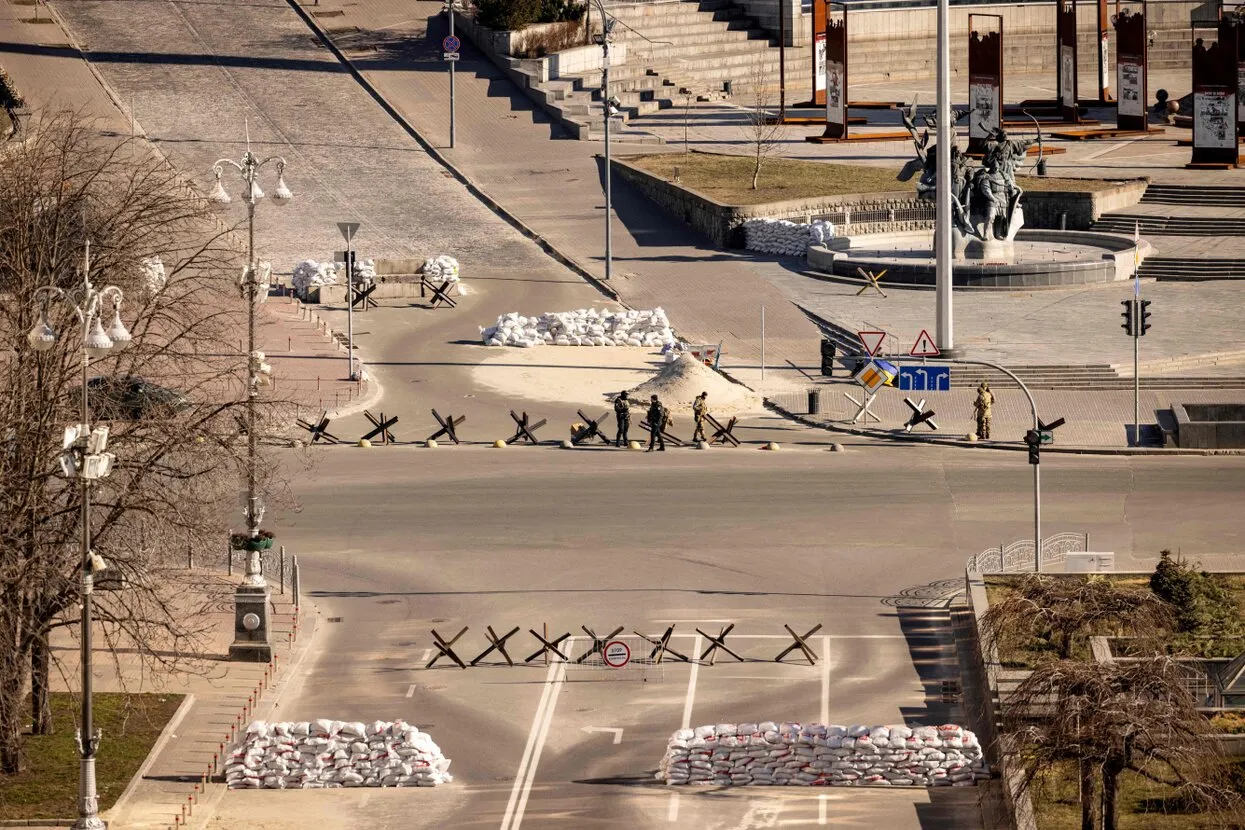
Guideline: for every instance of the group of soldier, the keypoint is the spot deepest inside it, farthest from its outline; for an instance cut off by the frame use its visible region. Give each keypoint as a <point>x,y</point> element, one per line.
<point>658,420</point>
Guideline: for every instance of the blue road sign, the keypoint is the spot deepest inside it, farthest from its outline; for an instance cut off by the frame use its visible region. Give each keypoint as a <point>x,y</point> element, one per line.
<point>451,43</point>
<point>925,378</point>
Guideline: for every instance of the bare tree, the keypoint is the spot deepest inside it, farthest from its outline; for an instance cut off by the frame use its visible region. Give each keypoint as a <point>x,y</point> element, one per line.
<point>1067,610</point>
<point>174,472</point>
<point>1135,715</point>
<point>763,130</point>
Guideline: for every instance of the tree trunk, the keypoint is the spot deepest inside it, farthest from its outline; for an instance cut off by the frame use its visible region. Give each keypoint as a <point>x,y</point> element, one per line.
<point>40,698</point>
<point>1089,817</point>
<point>756,170</point>
<point>12,673</point>
<point>1110,790</point>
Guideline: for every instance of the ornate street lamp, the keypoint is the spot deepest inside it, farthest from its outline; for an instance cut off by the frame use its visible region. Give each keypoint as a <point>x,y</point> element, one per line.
<point>85,459</point>
<point>251,598</point>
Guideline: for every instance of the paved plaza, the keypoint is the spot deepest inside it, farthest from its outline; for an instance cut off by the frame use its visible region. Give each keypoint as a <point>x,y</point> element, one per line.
<point>396,541</point>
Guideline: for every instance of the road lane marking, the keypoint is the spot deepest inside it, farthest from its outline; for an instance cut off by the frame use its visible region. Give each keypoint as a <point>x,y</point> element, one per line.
<point>821,809</point>
<point>558,680</point>
<point>825,686</point>
<point>691,685</point>
<point>616,730</point>
<point>527,750</point>
<point>427,654</point>
<point>410,690</point>
<point>672,811</point>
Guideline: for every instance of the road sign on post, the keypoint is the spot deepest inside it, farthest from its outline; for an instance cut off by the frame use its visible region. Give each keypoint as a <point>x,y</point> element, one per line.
<point>924,346</point>
<point>451,44</point>
<point>871,340</point>
<point>616,654</point>
<point>925,378</point>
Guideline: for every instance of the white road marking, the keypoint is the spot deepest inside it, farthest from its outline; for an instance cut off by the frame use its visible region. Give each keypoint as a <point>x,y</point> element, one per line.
<point>825,687</point>
<point>821,809</point>
<point>617,730</point>
<point>521,775</point>
<point>410,690</point>
<point>427,654</point>
<point>672,811</point>
<point>555,689</point>
<point>691,685</point>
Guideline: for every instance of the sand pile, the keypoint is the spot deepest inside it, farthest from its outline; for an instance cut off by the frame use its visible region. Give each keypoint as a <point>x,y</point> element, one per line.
<point>678,384</point>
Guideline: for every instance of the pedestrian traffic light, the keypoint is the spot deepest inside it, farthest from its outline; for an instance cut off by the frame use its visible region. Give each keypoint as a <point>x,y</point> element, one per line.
<point>1129,315</point>
<point>1143,318</point>
<point>1033,439</point>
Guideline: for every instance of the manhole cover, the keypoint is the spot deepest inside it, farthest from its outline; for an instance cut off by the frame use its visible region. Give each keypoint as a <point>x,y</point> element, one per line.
<point>334,619</point>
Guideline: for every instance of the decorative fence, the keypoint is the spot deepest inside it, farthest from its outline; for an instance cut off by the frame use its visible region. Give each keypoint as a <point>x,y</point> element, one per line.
<point>1018,556</point>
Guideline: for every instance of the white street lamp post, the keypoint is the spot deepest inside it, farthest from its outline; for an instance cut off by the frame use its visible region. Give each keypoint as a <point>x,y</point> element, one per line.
<point>251,628</point>
<point>86,460</point>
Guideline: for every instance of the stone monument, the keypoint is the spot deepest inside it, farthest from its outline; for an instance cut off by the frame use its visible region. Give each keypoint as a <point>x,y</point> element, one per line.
<point>985,199</point>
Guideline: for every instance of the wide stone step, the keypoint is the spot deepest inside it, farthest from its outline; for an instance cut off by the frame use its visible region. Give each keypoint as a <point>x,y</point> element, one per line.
<point>1194,195</point>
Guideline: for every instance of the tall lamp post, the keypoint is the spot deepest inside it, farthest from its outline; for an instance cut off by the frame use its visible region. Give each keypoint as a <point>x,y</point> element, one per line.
<point>609,105</point>
<point>251,598</point>
<point>85,459</point>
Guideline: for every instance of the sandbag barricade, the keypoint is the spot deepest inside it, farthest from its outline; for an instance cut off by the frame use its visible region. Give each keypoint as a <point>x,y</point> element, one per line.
<point>326,754</point>
<point>809,755</point>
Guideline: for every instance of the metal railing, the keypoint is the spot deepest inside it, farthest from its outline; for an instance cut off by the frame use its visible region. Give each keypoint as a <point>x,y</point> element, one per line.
<point>1018,556</point>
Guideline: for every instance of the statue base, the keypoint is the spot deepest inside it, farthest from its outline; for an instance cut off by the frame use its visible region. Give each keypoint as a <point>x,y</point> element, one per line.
<point>990,250</point>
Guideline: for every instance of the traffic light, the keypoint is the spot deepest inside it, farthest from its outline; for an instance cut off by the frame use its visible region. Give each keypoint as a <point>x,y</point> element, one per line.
<point>1033,439</point>
<point>1143,318</point>
<point>1130,317</point>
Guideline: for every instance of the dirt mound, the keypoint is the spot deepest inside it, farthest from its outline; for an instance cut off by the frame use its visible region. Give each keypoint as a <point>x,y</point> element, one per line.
<point>677,384</point>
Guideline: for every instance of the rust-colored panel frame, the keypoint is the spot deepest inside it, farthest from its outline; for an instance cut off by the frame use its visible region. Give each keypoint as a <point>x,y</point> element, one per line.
<point>1065,61</point>
<point>819,51</point>
<point>1131,70</point>
<point>836,71</point>
<point>1214,102</point>
<point>985,78</point>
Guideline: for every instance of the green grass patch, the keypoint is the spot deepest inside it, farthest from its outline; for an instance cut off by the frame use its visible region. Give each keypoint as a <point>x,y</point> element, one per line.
<point>727,179</point>
<point>47,786</point>
<point>1144,805</point>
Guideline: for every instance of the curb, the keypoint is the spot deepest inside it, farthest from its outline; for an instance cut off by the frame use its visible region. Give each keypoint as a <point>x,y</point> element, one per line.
<point>475,190</point>
<point>975,445</point>
<point>165,735</point>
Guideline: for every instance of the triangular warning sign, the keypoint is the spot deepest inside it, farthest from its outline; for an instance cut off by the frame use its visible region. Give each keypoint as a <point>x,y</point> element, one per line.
<point>872,340</point>
<point>924,346</point>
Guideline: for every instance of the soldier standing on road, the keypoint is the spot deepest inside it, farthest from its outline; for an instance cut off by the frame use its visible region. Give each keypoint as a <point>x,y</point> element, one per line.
<point>984,407</point>
<point>700,408</point>
<point>622,418</point>
<point>656,422</point>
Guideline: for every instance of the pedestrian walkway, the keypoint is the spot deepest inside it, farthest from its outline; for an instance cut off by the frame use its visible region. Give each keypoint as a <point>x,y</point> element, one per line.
<point>220,694</point>
<point>510,150</point>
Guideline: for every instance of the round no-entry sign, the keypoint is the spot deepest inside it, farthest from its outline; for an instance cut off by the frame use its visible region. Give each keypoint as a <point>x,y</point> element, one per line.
<point>451,43</point>
<point>616,654</point>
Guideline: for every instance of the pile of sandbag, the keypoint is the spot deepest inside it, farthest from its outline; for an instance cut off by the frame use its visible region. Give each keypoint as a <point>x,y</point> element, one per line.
<point>811,755</point>
<point>441,268</point>
<point>327,753</point>
<point>780,236</point>
<point>582,327</point>
<point>309,273</point>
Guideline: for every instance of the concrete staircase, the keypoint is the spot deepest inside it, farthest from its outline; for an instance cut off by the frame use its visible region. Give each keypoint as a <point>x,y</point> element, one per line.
<point>1085,378</point>
<point>1192,270</point>
<point>1172,225</point>
<point>1200,219</point>
<point>682,50</point>
<point>1202,196</point>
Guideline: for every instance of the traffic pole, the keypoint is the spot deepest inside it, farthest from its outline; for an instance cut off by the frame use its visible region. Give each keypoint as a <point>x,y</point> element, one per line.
<point>452,65</point>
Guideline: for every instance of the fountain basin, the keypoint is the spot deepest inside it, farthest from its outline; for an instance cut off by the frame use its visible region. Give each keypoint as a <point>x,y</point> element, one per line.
<point>1038,259</point>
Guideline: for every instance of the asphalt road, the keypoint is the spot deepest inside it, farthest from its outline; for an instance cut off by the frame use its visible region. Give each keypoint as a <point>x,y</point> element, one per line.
<point>394,542</point>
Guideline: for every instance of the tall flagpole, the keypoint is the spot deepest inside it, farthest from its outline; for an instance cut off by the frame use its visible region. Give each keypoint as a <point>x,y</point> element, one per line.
<point>942,225</point>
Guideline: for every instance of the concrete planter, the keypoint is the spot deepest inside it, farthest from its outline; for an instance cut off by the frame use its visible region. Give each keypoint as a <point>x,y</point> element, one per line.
<point>865,213</point>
